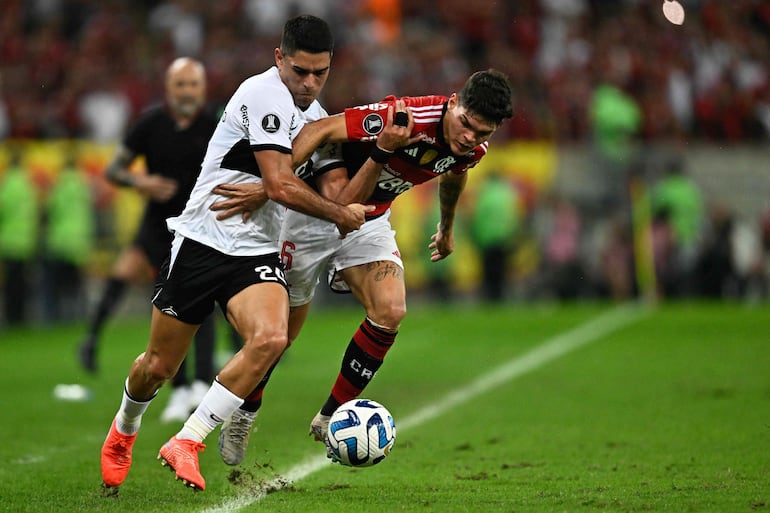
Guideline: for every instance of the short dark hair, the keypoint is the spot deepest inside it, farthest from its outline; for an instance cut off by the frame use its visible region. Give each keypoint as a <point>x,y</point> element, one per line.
<point>488,94</point>
<point>306,33</point>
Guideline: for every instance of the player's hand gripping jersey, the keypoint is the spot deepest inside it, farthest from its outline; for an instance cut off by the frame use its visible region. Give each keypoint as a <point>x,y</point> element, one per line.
<point>409,165</point>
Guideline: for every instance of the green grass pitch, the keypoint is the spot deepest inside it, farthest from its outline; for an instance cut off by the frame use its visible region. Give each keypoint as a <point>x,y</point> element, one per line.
<point>523,408</point>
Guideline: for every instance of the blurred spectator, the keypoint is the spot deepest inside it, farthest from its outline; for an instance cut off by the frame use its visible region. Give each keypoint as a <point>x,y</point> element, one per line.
<point>677,201</point>
<point>559,231</point>
<point>763,269</point>
<point>183,22</point>
<point>69,238</point>
<point>616,277</point>
<point>5,119</point>
<point>495,222</point>
<point>105,110</point>
<point>715,270</point>
<point>616,122</point>
<point>18,238</point>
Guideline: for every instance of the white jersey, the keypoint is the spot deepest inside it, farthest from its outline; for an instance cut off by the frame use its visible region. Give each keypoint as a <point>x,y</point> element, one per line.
<point>260,115</point>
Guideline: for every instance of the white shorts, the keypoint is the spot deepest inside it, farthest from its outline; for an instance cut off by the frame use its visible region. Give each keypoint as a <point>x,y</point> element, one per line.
<point>311,247</point>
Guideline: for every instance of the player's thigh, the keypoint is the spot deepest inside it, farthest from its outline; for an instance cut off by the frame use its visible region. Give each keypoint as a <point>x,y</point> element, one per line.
<point>133,265</point>
<point>378,286</point>
<point>170,339</point>
<point>260,312</point>
<point>297,317</point>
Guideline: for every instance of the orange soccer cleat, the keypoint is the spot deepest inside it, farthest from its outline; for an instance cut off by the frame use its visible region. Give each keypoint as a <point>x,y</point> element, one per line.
<point>181,455</point>
<point>116,457</point>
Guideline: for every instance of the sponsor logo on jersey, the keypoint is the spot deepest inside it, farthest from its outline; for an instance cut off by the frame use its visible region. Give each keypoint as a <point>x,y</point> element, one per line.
<point>428,156</point>
<point>428,139</point>
<point>244,116</point>
<point>271,123</point>
<point>373,124</point>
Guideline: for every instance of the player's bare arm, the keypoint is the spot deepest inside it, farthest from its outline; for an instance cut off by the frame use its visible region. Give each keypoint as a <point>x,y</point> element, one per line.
<point>156,187</point>
<point>442,242</point>
<point>313,135</point>
<point>246,198</point>
<point>284,187</point>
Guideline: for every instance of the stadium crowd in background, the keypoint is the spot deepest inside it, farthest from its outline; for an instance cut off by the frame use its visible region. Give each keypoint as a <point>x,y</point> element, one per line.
<point>708,78</point>
<point>615,74</point>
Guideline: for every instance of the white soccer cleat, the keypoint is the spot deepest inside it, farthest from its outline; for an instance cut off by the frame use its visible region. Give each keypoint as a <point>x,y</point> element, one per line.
<point>234,436</point>
<point>319,428</point>
<point>178,407</point>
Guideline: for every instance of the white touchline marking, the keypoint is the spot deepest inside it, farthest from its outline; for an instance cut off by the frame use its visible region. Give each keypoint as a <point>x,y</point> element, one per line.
<point>540,355</point>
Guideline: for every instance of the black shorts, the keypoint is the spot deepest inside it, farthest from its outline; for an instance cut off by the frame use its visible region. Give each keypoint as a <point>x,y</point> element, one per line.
<point>154,239</point>
<point>195,276</point>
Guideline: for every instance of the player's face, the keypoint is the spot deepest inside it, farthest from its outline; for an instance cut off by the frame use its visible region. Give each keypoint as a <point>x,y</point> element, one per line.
<point>464,129</point>
<point>186,89</point>
<point>304,74</point>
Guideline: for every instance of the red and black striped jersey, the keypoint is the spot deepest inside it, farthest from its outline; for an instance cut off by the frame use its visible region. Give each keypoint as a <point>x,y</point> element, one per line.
<point>410,165</point>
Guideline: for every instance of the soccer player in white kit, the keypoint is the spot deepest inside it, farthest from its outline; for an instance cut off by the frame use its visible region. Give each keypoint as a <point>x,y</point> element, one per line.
<point>452,136</point>
<point>233,263</point>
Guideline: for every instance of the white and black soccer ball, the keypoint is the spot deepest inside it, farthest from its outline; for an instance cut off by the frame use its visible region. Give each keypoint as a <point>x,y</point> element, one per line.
<point>361,433</point>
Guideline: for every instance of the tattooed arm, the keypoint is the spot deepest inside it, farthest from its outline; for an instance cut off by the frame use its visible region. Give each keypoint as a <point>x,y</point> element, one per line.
<point>449,190</point>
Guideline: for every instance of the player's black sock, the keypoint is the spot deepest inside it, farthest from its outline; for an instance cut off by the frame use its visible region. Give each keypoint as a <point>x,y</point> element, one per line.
<point>113,293</point>
<point>254,400</point>
<point>362,359</point>
<point>180,378</point>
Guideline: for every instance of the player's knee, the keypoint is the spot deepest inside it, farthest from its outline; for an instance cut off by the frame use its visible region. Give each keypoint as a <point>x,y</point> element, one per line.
<point>389,316</point>
<point>156,369</point>
<point>267,345</point>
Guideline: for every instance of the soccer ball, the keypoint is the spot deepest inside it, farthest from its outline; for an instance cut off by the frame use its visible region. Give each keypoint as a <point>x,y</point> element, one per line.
<point>361,433</point>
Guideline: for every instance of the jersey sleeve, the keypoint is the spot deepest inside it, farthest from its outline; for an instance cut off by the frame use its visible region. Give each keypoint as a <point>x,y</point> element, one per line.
<point>327,157</point>
<point>365,122</point>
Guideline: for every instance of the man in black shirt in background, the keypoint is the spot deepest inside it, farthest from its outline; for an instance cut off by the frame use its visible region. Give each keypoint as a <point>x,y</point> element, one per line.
<point>173,138</point>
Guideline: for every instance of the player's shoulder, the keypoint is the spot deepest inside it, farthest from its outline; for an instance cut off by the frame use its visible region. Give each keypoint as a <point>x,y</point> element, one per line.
<point>479,151</point>
<point>268,80</point>
<point>427,101</point>
<point>266,91</point>
<point>314,111</point>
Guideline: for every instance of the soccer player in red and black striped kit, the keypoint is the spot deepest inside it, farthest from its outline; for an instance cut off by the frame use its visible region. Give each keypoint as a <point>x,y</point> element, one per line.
<point>450,136</point>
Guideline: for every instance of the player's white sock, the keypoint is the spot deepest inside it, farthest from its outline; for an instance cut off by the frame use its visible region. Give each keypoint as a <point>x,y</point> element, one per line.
<point>217,405</point>
<point>129,416</point>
